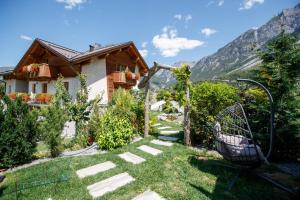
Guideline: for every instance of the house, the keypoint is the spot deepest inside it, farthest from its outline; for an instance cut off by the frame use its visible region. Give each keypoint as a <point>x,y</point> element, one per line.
<point>106,67</point>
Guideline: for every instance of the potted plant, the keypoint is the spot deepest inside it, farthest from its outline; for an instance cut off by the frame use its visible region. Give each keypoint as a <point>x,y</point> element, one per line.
<point>12,96</point>
<point>40,98</point>
<point>24,97</point>
<point>48,98</point>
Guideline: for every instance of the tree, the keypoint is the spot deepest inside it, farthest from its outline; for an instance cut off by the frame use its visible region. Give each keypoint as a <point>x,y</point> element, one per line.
<point>54,118</point>
<point>18,132</point>
<point>182,76</point>
<point>79,111</point>
<point>280,72</point>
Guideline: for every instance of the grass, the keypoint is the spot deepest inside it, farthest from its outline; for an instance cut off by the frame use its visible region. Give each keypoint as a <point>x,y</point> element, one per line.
<point>178,173</point>
<point>175,174</point>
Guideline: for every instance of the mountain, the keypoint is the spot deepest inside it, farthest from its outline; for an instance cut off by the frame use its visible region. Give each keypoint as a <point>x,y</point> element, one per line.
<point>164,78</point>
<point>240,53</point>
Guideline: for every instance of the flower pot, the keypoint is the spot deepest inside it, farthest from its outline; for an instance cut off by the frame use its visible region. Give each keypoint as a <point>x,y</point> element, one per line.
<point>25,97</point>
<point>48,98</point>
<point>44,71</point>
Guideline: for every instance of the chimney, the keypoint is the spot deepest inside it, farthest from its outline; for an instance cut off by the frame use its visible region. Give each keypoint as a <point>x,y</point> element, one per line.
<point>94,46</point>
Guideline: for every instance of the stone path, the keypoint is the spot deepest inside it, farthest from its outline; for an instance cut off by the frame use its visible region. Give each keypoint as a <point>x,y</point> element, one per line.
<point>148,195</point>
<point>95,169</point>
<point>130,157</point>
<point>149,150</point>
<point>164,127</point>
<point>110,184</point>
<point>168,138</point>
<point>159,142</point>
<point>157,124</point>
<point>169,132</point>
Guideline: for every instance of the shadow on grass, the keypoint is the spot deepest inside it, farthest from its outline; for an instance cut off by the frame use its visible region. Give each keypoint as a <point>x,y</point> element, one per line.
<point>246,187</point>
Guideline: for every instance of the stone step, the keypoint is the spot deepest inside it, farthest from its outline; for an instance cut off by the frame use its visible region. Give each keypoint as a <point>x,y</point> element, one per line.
<point>168,138</point>
<point>92,170</point>
<point>157,124</point>
<point>169,132</point>
<point>130,157</point>
<point>110,184</point>
<point>149,150</point>
<point>148,195</point>
<point>159,142</point>
<point>164,127</point>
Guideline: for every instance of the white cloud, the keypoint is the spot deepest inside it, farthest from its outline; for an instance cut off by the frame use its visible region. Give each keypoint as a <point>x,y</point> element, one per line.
<point>188,17</point>
<point>25,37</point>
<point>185,18</point>
<point>169,44</point>
<point>248,4</point>
<point>144,45</point>
<point>70,4</point>
<point>178,16</point>
<point>143,52</point>
<point>208,31</point>
<point>221,2</point>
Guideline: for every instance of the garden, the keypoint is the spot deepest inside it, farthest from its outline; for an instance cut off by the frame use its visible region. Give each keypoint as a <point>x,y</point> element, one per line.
<point>176,161</point>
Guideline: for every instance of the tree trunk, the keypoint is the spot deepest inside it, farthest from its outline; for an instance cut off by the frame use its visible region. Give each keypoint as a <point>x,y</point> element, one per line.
<point>146,114</point>
<point>187,122</point>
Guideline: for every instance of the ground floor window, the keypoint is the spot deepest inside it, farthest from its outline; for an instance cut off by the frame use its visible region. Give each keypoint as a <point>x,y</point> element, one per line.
<point>66,84</point>
<point>33,88</point>
<point>44,88</point>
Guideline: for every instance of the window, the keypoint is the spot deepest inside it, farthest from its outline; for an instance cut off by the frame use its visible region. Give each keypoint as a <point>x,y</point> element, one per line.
<point>66,84</point>
<point>9,89</point>
<point>34,88</point>
<point>44,88</point>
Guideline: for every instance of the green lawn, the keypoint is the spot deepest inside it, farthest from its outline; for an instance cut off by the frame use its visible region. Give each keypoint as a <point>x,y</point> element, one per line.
<point>175,174</point>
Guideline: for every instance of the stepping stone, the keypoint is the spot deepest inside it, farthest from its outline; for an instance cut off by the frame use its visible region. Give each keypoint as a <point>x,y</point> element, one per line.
<point>149,150</point>
<point>159,142</point>
<point>168,138</point>
<point>164,127</point>
<point>130,157</point>
<point>110,184</point>
<point>169,132</point>
<point>95,169</point>
<point>148,195</point>
<point>158,124</point>
<point>136,139</point>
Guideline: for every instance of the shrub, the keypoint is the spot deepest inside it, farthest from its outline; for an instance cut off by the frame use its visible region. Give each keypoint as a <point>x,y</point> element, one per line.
<point>114,131</point>
<point>18,132</point>
<point>54,118</point>
<point>207,100</point>
<point>168,107</point>
<point>256,106</point>
<point>2,89</point>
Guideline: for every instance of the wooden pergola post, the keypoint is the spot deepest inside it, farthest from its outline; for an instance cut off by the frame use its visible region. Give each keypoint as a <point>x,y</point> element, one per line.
<point>146,110</point>
<point>187,110</point>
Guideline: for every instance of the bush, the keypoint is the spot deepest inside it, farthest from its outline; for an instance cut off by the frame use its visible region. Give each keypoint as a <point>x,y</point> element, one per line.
<point>18,132</point>
<point>54,118</point>
<point>114,131</point>
<point>207,100</point>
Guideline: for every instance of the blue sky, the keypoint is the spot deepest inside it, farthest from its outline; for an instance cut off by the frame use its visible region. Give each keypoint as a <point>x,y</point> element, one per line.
<point>163,30</point>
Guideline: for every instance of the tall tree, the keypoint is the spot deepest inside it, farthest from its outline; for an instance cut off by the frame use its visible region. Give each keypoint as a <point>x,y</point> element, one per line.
<point>280,72</point>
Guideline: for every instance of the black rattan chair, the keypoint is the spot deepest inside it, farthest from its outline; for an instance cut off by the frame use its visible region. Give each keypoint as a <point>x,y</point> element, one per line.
<point>234,139</point>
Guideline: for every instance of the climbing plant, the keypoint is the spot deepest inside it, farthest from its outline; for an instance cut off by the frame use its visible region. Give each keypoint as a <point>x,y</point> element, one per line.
<point>182,75</point>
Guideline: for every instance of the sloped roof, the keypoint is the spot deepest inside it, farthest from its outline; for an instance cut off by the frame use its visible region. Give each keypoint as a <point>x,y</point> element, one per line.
<point>75,56</point>
<point>66,52</point>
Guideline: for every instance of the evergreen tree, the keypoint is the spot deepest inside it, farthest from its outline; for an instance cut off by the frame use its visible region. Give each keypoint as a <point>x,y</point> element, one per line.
<point>280,72</point>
